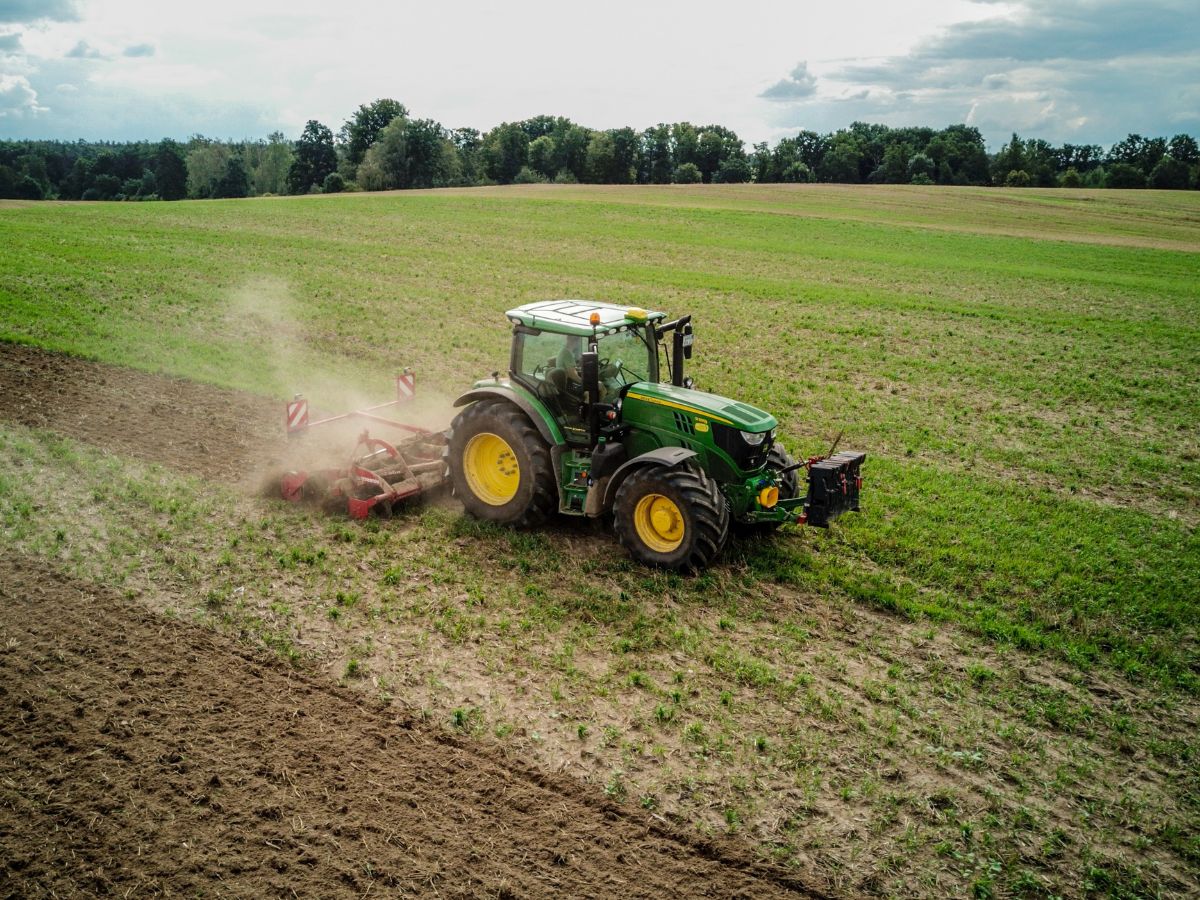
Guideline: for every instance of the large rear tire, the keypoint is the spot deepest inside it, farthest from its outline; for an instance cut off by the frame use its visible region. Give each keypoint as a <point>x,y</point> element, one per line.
<point>674,518</point>
<point>500,465</point>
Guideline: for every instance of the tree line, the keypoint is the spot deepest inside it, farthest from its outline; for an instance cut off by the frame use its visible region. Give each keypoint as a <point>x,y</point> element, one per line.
<point>382,147</point>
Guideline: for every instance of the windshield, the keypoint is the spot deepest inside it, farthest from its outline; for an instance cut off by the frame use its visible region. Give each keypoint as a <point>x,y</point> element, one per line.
<point>625,357</point>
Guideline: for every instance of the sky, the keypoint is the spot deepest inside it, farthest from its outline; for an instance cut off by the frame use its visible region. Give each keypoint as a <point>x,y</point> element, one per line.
<point>1079,71</point>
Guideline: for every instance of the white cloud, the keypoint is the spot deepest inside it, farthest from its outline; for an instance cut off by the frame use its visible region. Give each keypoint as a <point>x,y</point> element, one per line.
<point>1064,70</point>
<point>244,69</point>
<point>477,64</point>
<point>23,12</point>
<point>84,50</point>
<point>18,99</point>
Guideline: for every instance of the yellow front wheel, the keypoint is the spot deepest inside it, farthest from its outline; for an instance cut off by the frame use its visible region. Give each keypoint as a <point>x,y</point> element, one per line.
<point>491,468</point>
<point>673,517</point>
<point>659,523</point>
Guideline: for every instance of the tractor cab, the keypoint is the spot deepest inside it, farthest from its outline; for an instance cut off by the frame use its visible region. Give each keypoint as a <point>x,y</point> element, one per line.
<point>552,342</point>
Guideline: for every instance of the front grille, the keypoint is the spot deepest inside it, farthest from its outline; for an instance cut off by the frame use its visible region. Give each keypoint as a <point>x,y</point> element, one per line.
<point>746,457</point>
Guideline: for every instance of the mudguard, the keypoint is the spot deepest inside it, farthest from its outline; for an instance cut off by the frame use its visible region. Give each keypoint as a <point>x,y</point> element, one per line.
<point>663,456</point>
<point>545,425</point>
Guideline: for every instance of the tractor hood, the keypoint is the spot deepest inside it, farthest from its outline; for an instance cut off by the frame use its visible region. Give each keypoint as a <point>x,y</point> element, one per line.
<point>741,416</point>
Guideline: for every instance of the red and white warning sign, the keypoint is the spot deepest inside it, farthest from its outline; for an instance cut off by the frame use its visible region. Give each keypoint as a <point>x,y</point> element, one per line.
<point>297,414</point>
<point>406,385</point>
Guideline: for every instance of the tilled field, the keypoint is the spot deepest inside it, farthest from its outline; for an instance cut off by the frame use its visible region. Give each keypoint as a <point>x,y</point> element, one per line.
<point>187,426</point>
<point>859,752</point>
<point>143,755</point>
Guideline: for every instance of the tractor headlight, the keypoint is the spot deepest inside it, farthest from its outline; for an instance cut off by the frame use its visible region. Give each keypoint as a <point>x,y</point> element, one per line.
<point>753,438</point>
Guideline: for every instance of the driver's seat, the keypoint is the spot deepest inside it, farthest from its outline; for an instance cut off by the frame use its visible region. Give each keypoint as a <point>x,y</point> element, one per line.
<point>557,379</point>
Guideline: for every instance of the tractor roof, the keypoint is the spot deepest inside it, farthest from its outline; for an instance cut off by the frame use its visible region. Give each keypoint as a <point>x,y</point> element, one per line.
<point>574,316</point>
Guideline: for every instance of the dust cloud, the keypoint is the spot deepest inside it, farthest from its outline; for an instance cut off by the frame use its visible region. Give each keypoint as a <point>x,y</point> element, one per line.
<point>267,313</point>
<point>267,309</point>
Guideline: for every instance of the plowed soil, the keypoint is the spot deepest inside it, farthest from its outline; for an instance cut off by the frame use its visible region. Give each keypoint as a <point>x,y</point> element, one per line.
<point>140,755</point>
<point>186,426</point>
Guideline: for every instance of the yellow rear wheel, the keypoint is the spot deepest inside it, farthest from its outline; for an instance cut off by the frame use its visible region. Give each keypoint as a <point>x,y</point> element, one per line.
<point>659,523</point>
<point>491,468</point>
<point>500,464</point>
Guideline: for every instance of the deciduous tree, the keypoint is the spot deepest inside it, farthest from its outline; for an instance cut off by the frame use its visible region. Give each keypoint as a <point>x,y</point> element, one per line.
<point>1011,158</point>
<point>918,165</point>
<point>409,153</point>
<point>733,170</point>
<point>1141,153</point>
<point>1070,179</point>
<point>656,155</point>
<point>542,155</point>
<point>234,181</point>
<point>1124,175</point>
<point>1183,147</point>
<point>206,161</point>
<point>1170,174</point>
<point>170,171</point>
<point>505,152</point>
<point>315,158</point>
<point>840,162</point>
<point>269,175</point>
<point>362,129</point>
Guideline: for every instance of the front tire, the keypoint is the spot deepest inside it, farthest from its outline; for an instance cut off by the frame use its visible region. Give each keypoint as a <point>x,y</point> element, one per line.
<point>674,518</point>
<point>500,465</point>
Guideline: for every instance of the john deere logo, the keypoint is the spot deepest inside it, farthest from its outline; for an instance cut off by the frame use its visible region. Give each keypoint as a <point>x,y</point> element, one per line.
<point>701,425</point>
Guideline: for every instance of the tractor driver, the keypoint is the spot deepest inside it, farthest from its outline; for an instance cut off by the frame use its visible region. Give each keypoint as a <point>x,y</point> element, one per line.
<point>563,373</point>
<point>567,376</point>
<point>568,359</point>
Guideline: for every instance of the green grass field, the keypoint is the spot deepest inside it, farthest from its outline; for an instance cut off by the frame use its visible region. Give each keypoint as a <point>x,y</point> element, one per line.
<point>1022,368</point>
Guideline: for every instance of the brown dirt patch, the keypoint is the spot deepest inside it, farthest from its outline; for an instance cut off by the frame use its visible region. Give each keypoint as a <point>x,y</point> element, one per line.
<point>141,753</point>
<point>190,427</point>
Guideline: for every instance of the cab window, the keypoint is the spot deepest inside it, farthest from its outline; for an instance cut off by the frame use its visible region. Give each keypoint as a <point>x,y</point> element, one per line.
<point>625,358</point>
<point>539,355</point>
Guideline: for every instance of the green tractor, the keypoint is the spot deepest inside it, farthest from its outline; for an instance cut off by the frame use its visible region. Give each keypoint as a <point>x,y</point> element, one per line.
<point>585,424</point>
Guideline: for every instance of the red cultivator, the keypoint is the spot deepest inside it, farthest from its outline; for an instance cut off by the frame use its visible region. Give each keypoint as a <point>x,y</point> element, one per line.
<point>379,474</point>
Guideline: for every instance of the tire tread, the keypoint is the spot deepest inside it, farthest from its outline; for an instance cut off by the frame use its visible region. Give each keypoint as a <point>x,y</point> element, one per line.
<point>493,415</point>
<point>704,501</point>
